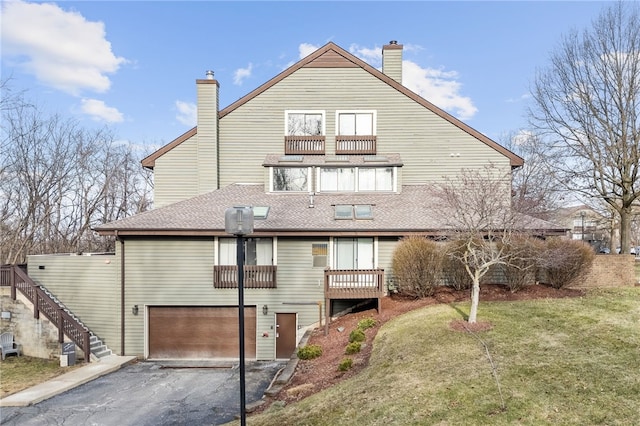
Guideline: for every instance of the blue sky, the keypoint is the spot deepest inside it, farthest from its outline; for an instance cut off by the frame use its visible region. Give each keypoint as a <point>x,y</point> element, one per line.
<point>133,65</point>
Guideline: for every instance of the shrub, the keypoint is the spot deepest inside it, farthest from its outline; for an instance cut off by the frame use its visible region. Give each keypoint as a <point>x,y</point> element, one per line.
<point>455,274</point>
<point>522,252</point>
<point>417,266</point>
<point>357,335</point>
<point>353,348</point>
<point>309,352</point>
<point>564,262</point>
<point>366,323</point>
<point>345,364</point>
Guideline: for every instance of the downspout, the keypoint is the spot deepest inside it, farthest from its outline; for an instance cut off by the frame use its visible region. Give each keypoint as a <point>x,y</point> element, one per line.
<point>121,292</point>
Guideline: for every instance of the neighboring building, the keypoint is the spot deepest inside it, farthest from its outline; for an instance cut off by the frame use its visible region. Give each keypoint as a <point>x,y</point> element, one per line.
<point>335,155</point>
<point>586,224</point>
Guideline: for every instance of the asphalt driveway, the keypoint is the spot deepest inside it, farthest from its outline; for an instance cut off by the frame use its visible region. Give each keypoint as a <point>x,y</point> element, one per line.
<point>149,393</point>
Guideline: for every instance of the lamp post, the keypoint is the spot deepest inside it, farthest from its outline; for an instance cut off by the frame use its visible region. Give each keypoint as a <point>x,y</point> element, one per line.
<point>582,216</point>
<point>239,222</point>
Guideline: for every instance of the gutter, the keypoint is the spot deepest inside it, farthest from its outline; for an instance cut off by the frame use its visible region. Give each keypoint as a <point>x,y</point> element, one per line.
<point>122,295</point>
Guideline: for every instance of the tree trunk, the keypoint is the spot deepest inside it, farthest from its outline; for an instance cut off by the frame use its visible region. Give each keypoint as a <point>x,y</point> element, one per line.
<point>475,300</point>
<point>625,231</point>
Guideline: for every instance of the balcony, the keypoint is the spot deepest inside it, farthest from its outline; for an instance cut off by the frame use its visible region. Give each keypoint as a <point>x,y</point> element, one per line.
<point>255,276</point>
<point>355,145</point>
<point>354,283</point>
<point>304,145</point>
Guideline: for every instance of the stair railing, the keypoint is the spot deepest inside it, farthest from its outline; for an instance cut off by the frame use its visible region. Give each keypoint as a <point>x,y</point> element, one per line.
<point>17,279</point>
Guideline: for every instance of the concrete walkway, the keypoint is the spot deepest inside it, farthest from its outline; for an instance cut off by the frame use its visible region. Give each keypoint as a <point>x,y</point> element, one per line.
<point>66,381</point>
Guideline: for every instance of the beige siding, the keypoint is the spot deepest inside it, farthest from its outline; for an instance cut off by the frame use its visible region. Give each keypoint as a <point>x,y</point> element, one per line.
<point>429,145</point>
<point>207,136</point>
<point>89,286</point>
<point>175,174</point>
<point>386,247</point>
<point>179,272</point>
<point>300,286</point>
<point>392,63</point>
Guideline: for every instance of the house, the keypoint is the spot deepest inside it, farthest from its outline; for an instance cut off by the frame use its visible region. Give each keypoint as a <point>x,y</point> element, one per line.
<point>586,224</point>
<point>334,157</point>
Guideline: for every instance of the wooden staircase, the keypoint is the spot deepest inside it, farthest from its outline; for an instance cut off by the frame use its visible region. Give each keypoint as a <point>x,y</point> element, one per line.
<point>46,303</point>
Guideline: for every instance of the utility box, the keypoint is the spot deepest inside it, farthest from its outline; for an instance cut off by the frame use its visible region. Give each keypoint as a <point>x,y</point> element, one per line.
<point>68,357</point>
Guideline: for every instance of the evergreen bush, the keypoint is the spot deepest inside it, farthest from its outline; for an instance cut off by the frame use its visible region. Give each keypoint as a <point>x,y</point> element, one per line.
<point>309,352</point>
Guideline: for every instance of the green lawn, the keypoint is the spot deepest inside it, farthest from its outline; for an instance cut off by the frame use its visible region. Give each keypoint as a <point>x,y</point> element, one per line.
<point>561,362</point>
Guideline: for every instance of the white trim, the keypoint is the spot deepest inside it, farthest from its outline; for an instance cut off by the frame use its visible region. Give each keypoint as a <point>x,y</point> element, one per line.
<point>146,331</point>
<point>309,179</point>
<point>274,250</point>
<point>374,119</point>
<point>305,111</point>
<point>356,171</point>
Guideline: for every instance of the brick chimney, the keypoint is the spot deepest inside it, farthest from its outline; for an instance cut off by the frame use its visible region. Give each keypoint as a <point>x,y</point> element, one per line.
<point>207,135</point>
<point>392,60</point>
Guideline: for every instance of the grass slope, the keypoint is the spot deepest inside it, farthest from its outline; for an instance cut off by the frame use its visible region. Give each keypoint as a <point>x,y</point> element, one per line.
<point>564,361</point>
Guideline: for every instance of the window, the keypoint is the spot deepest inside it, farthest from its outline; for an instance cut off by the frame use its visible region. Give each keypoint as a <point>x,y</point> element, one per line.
<point>351,179</point>
<point>258,251</point>
<point>356,123</point>
<point>344,211</point>
<point>375,179</point>
<point>290,179</point>
<point>304,123</point>
<point>349,211</point>
<point>337,179</point>
<point>319,253</point>
<point>363,211</point>
<point>353,253</point>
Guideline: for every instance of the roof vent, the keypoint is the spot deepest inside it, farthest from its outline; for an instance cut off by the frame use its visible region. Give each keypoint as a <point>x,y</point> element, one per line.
<point>393,42</point>
<point>209,74</point>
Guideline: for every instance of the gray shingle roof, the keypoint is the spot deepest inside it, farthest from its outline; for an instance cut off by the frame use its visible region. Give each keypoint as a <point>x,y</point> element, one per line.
<point>290,213</point>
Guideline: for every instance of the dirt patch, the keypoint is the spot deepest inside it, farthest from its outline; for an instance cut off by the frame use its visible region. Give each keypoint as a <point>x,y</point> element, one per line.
<point>312,376</point>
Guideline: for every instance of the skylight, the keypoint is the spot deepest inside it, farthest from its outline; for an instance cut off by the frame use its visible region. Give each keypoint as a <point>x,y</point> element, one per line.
<point>344,211</point>
<point>349,211</point>
<point>363,211</point>
<point>260,212</point>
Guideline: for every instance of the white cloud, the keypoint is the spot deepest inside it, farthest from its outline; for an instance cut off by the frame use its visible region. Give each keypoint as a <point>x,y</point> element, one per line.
<point>61,49</point>
<point>438,87</point>
<point>241,74</point>
<point>523,97</point>
<point>187,113</point>
<point>305,49</point>
<point>372,56</point>
<point>99,111</point>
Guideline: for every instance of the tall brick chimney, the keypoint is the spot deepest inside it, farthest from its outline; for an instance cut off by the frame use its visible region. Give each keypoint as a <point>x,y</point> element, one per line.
<point>392,60</point>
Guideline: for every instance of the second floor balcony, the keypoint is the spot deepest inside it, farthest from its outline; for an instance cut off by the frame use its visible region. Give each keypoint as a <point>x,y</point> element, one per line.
<point>355,145</point>
<point>255,276</point>
<point>304,145</point>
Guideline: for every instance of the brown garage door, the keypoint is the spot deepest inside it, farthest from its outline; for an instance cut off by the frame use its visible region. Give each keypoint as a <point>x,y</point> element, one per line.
<point>199,332</point>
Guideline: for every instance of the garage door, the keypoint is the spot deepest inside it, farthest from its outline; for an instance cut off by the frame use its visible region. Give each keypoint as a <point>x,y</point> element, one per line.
<point>199,332</point>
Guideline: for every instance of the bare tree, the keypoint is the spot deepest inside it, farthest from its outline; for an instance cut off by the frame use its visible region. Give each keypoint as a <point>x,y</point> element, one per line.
<point>587,111</point>
<point>476,207</point>
<point>58,180</point>
<point>534,193</point>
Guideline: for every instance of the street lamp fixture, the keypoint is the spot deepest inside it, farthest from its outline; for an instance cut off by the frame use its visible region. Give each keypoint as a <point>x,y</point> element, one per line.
<point>239,222</point>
